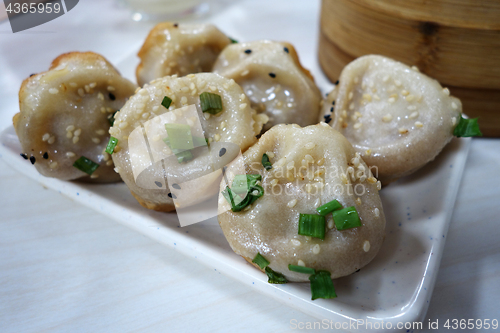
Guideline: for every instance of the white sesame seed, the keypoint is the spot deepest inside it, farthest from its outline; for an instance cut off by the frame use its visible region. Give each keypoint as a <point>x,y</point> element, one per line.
<point>366,246</point>
<point>330,223</point>
<point>308,238</point>
<point>368,152</point>
<point>212,88</point>
<point>81,92</point>
<point>376,212</point>
<point>321,161</point>
<point>404,92</point>
<point>270,154</point>
<point>123,125</point>
<point>309,158</point>
<point>397,83</point>
<point>45,137</point>
<point>358,201</point>
<point>183,100</point>
<point>376,97</point>
<point>454,105</point>
<point>185,89</point>
<point>446,91</point>
<point>351,106</point>
<point>379,185</point>
<point>301,263</point>
<point>372,180</point>
<point>245,72</point>
<point>290,165</point>
<point>292,203</point>
<point>53,165</point>
<point>87,88</point>
<point>410,98</point>
<point>317,203</point>
<point>92,85</point>
<point>51,140</point>
<point>367,97</point>
<point>100,132</point>
<point>385,78</point>
<point>53,91</point>
<point>391,100</point>
<point>316,249</point>
<point>295,242</point>
<point>357,125</point>
<point>69,135</point>
<point>419,124</point>
<point>310,145</point>
<point>308,188</point>
<point>70,154</point>
<point>280,162</point>
<point>96,140</point>
<point>78,132</point>
<point>453,121</point>
<point>415,68</point>
<point>243,106</point>
<point>73,85</point>
<point>76,139</point>
<point>145,115</point>
<point>111,88</point>
<point>110,162</point>
<point>216,137</point>
<point>94,176</point>
<point>391,88</point>
<point>402,130</point>
<point>100,96</point>
<point>412,107</point>
<point>274,182</point>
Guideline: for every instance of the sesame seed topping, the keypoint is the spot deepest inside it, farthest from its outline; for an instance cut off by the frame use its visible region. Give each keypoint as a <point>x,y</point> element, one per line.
<point>415,68</point>
<point>96,140</point>
<point>245,72</point>
<point>45,137</point>
<point>375,97</point>
<point>391,100</point>
<point>368,152</point>
<point>123,125</point>
<point>316,249</point>
<point>70,154</point>
<point>292,203</point>
<point>111,88</point>
<point>76,139</point>
<point>366,246</point>
<point>53,91</point>
<point>410,98</point>
<point>78,132</point>
<point>274,182</point>
<point>69,135</point>
<point>402,130</point>
<point>376,212</point>
<point>243,106</point>
<point>387,118</point>
<point>51,140</point>
<point>379,185</point>
<point>385,78</point>
<point>307,238</point>
<point>372,180</point>
<point>446,91</point>
<point>110,162</point>
<point>454,121</point>
<point>53,165</point>
<point>216,137</point>
<point>301,263</point>
<point>100,132</point>
<point>419,124</point>
<point>358,201</point>
<point>317,203</point>
<point>367,97</point>
<point>308,188</point>
<point>81,92</point>
<point>321,161</point>
<point>454,105</point>
<point>397,83</point>
<point>272,75</point>
<point>295,242</point>
<point>357,125</point>
<point>270,154</point>
<point>248,51</point>
<point>184,100</point>
<point>94,176</point>
<point>73,85</point>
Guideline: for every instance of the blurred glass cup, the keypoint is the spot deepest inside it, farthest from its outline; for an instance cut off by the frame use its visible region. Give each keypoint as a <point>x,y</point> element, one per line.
<point>156,10</point>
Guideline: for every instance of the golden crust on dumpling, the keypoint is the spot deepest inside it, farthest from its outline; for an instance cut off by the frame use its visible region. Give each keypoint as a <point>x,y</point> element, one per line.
<point>311,166</point>
<point>64,115</point>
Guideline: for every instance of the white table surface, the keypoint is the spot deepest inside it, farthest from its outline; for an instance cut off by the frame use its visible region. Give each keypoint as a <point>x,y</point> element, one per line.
<point>64,267</point>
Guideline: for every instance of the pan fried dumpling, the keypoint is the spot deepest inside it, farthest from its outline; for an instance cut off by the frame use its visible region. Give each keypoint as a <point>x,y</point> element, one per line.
<point>273,79</point>
<point>397,118</point>
<point>178,48</point>
<point>227,132</point>
<point>311,166</point>
<point>65,114</point>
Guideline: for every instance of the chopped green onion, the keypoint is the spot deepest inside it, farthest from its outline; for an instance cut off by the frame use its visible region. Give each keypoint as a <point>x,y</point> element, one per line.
<point>86,165</point>
<point>179,136</point>
<point>184,156</point>
<point>328,207</point>
<point>301,269</point>
<point>246,185</point>
<point>166,102</point>
<point>467,128</point>
<point>233,41</point>
<point>346,218</point>
<point>111,118</point>
<point>111,145</point>
<point>211,103</point>
<point>275,277</point>
<point>260,261</point>
<point>199,141</point>
<point>322,285</point>
<point>312,225</point>
<point>266,163</point>
<point>243,183</point>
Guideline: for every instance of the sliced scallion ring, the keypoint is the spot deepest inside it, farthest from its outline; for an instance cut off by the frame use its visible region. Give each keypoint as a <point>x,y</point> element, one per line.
<point>86,165</point>
<point>467,128</point>
<point>166,102</point>
<point>301,269</point>
<point>322,285</point>
<point>179,136</point>
<point>346,218</point>
<point>275,277</point>
<point>328,207</point>
<point>312,225</point>
<point>266,163</point>
<point>211,103</point>
<point>260,261</point>
<point>110,148</point>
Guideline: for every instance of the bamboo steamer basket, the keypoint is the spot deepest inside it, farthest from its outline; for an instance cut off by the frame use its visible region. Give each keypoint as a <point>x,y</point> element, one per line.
<point>456,42</point>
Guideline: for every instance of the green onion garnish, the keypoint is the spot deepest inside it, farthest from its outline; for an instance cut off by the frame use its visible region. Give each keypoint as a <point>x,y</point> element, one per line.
<point>275,277</point>
<point>312,225</point>
<point>184,156</point>
<point>346,218</point>
<point>166,102</point>
<point>301,269</point>
<point>266,163</point>
<point>243,185</point>
<point>328,207</point>
<point>199,141</point>
<point>111,118</point>
<point>211,103</point>
<point>322,285</point>
<point>86,165</point>
<point>111,145</point>
<point>179,136</point>
<point>260,261</point>
<point>467,128</point>
<point>233,41</point>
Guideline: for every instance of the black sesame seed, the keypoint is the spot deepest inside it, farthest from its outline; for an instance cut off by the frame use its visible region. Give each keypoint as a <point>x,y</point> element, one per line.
<point>357,270</point>
<point>176,186</point>
<point>171,195</point>
<point>248,51</point>
<point>222,152</point>
<point>23,155</point>
<point>112,97</point>
<point>176,25</point>
<point>327,116</point>
<point>158,184</point>
<point>328,120</point>
<point>331,109</point>
<point>286,49</point>
<point>333,102</point>
<point>272,75</point>
<point>32,75</point>
<point>45,156</point>
<point>337,82</point>
<point>32,159</point>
